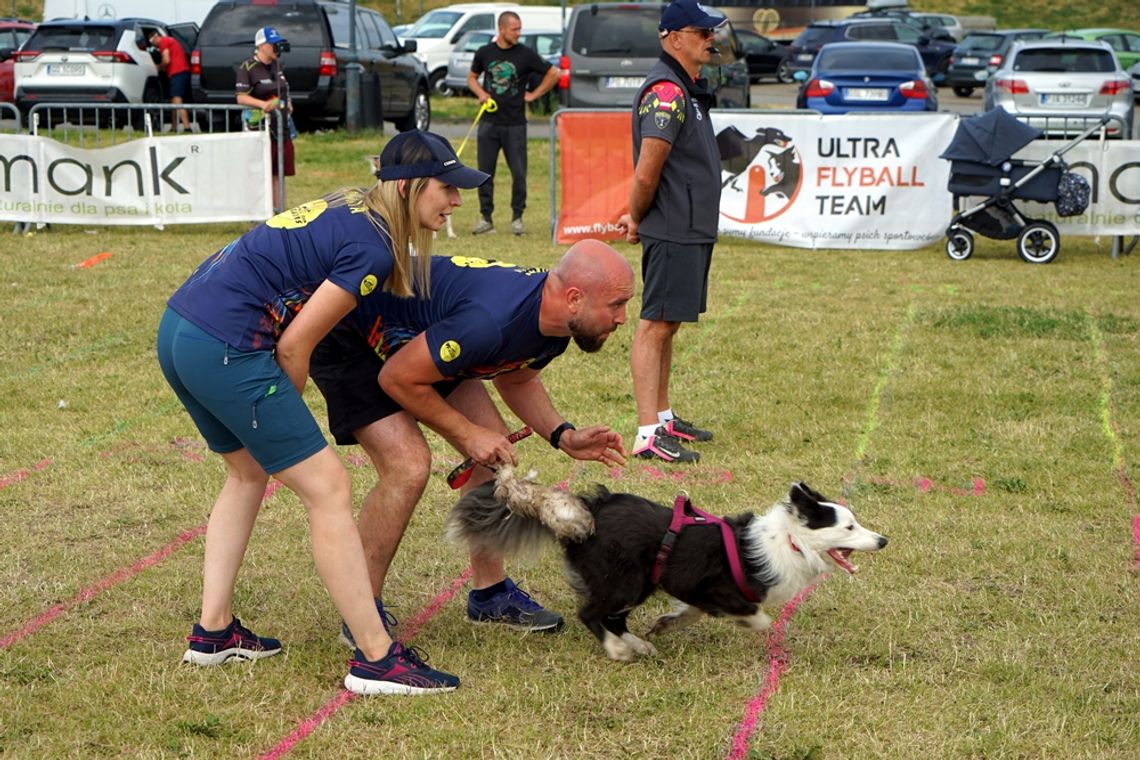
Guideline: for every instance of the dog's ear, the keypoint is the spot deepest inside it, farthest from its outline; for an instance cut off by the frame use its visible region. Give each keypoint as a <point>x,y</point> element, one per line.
<point>809,506</point>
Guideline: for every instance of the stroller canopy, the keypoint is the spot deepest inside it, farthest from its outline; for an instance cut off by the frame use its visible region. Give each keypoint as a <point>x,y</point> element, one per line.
<point>989,138</point>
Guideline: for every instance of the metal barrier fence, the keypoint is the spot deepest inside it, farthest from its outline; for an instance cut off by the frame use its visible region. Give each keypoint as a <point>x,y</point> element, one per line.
<point>97,125</point>
<point>10,120</point>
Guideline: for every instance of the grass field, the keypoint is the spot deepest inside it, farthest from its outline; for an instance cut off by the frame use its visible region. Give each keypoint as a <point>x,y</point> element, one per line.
<point>984,415</point>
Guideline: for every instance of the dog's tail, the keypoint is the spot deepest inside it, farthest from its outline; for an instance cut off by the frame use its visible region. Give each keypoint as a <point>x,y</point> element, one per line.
<point>514,516</point>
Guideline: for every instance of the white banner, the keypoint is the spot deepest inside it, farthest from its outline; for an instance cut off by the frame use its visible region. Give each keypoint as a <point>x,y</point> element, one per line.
<point>856,181</point>
<point>1112,168</point>
<point>177,179</point>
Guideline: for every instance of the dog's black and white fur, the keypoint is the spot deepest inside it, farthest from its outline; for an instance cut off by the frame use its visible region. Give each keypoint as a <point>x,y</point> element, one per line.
<point>782,552</point>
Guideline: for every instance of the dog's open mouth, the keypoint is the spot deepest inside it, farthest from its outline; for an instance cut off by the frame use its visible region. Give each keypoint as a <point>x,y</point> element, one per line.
<point>841,557</point>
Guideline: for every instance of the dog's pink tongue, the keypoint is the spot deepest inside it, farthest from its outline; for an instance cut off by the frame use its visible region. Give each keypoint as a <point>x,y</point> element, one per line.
<point>840,557</point>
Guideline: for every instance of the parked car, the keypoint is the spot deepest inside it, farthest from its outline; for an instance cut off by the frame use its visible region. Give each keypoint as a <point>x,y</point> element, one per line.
<point>1134,72</point>
<point>13,34</point>
<point>546,42</point>
<point>1125,43</point>
<point>78,61</point>
<point>935,53</point>
<point>930,24</point>
<point>932,21</point>
<point>610,47</point>
<point>1063,86</point>
<point>394,83</point>
<point>867,76</point>
<point>980,54</point>
<point>763,56</point>
<point>437,32</point>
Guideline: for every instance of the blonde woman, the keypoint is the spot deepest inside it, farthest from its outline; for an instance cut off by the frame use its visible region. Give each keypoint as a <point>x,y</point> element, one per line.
<point>234,344</point>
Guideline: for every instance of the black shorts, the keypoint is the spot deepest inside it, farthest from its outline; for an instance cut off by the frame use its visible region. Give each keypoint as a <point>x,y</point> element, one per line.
<point>676,277</point>
<point>346,370</point>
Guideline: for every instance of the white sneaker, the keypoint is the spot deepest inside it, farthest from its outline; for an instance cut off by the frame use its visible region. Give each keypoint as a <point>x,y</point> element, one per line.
<point>517,227</point>
<point>483,227</point>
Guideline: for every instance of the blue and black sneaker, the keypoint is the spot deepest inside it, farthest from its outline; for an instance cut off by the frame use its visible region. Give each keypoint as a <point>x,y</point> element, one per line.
<point>513,608</point>
<point>387,618</point>
<point>235,640</point>
<point>403,670</point>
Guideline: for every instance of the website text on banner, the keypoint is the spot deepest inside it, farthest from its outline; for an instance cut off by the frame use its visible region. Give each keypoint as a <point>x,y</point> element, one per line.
<point>186,179</point>
<point>1112,168</point>
<point>793,179</point>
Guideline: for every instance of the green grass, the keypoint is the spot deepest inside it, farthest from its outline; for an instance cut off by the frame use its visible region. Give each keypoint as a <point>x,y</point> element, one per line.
<point>1002,624</point>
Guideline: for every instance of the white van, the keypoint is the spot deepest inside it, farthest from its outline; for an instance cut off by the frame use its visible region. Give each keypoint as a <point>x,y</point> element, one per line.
<point>437,32</point>
<point>168,11</point>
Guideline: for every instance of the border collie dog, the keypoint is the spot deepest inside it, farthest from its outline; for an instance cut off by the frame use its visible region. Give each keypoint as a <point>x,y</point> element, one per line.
<point>619,548</point>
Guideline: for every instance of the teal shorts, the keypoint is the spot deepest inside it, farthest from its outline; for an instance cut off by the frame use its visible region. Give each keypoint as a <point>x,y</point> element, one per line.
<point>237,400</point>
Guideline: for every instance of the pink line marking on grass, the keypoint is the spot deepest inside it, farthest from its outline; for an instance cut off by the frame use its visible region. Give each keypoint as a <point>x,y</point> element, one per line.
<point>114,579</point>
<point>22,473</point>
<point>407,631</point>
<point>777,664</point>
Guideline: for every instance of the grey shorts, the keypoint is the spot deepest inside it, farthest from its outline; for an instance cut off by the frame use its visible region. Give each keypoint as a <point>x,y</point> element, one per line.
<point>676,277</point>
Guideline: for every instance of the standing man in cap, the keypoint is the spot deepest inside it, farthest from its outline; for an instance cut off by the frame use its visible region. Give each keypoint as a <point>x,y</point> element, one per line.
<point>674,204</point>
<point>261,85</point>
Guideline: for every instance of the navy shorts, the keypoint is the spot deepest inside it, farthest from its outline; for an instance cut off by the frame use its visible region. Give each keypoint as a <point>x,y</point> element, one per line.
<point>180,85</point>
<point>676,277</point>
<point>347,370</point>
<point>237,399</point>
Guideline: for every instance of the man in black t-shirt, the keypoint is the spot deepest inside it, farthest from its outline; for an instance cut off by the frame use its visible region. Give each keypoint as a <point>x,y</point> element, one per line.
<point>500,71</point>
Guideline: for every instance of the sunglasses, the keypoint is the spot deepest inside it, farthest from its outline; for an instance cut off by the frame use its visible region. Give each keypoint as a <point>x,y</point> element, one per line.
<point>706,33</point>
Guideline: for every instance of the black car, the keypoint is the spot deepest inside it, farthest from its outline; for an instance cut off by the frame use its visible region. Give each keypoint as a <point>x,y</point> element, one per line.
<point>763,56</point>
<point>935,53</point>
<point>394,83</point>
<point>980,54</point>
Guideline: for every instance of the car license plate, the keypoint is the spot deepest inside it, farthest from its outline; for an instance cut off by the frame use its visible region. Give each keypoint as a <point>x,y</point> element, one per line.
<point>971,61</point>
<point>622,83</point>
<point>65,69</point>
<point>804,57</point>
<point>1063,99</point>
<point>867,93</point>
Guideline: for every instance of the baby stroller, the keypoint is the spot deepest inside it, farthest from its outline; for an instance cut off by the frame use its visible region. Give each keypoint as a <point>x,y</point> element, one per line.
<point>981,165</point>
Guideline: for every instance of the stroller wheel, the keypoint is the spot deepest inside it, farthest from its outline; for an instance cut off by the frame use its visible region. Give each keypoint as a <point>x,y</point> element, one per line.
<point>960,245</point>
<point>1039,243</point>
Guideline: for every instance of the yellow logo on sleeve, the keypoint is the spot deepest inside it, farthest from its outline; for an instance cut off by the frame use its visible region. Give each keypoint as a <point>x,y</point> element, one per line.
<point>449,351</point>
<point>298,216</point>
<point>368,284</point>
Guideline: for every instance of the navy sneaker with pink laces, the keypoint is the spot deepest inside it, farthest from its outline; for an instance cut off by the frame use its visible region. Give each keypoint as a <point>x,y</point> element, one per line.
<point>403,670</point>
<point>666,448</point>
<point>686,431</point>
<point>235,640</point>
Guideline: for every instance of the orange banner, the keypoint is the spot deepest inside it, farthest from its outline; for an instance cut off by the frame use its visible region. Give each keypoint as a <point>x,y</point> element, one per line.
<point>596,151</point>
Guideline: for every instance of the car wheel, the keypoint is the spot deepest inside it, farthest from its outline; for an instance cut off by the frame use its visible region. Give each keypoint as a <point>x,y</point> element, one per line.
<point>420,115</point>
<point>437,84</point>
<point>1039,243</point>
<point>784,73</point>
<point>960,245</point>
<point>963,92</point>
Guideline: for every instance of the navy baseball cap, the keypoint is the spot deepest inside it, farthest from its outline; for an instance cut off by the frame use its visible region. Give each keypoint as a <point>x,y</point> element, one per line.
<point>444,164</point>
<point>267,35</point>
<point>682,13</point>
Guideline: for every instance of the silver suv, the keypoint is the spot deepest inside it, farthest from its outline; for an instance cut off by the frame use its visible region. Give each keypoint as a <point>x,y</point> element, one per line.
<point>1063,86</point>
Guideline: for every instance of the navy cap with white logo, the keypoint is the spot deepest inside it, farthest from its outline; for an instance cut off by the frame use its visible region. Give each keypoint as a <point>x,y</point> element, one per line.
<point>444,164</point>
<point>682,13</point>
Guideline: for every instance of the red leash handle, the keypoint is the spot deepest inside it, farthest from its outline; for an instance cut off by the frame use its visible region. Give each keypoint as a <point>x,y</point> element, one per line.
<point>461,474</point>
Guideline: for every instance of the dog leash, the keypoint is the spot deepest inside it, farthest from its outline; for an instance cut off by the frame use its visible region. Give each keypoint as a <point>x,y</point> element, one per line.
<point>682,518</point>
<point>461,474</point>
<point>489,106</point>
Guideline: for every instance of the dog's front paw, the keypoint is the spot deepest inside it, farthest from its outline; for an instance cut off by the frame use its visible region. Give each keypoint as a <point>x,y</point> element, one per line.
<point>758,621</point>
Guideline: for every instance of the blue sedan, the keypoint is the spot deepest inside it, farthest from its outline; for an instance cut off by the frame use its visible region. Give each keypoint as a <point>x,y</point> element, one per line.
<point>867,76</point>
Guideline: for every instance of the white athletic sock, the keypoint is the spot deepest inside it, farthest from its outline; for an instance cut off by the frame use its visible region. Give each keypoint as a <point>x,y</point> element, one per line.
<point>664,416</point>
<point>643,433</point>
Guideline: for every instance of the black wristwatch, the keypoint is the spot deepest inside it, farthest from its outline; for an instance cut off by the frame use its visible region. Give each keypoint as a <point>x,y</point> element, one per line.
<point>556,433</point>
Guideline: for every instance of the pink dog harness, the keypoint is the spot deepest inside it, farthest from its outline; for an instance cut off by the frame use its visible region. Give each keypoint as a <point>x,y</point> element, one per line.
<point>682,508</point>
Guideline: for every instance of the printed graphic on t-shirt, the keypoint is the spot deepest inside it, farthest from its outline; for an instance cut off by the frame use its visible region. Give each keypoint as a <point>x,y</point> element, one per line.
<point>298,216</point>
<point>503,78</point>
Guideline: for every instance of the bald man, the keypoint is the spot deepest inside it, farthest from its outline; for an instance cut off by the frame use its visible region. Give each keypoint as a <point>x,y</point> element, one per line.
<point>483,320</point>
